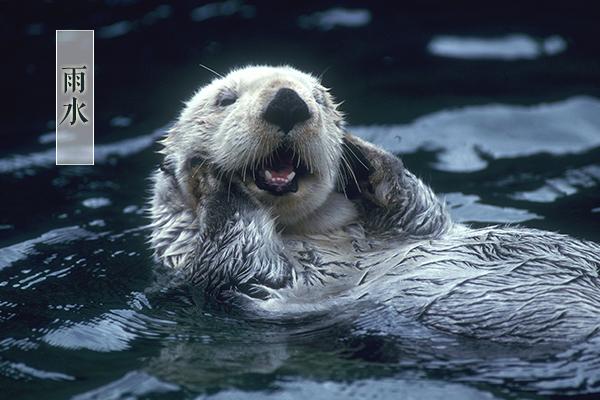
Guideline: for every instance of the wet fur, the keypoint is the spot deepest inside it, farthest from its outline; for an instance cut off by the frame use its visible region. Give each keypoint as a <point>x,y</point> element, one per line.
<point>366,231</point>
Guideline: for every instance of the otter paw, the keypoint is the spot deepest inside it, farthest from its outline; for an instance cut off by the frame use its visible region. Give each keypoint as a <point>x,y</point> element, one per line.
<point>385,180</point>
<point>374,173</point>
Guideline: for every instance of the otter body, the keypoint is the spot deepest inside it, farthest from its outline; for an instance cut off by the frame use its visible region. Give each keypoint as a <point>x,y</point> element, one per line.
<point>265,201</point>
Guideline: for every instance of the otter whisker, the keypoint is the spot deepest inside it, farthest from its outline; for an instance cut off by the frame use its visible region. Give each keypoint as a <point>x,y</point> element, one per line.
<point>211,70</point>
<point>354,154</point>
<point>254,160</point>
<point>295,157</point>
<point>352,173</point>
<point>308,155</point>
<point>320,77</point>
<point>306,159</point>
<point>342,175</point>
<point>220,173</point>
<point>248,159</point>
<point>341,181</point>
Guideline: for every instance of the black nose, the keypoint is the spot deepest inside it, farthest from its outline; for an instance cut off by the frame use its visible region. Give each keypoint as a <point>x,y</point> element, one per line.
<point>286,110</point>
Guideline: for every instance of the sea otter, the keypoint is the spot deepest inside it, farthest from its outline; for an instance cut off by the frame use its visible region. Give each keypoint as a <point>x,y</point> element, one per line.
<point>264,200</point>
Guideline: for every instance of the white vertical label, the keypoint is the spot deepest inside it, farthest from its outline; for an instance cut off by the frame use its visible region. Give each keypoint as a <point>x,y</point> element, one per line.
<point>74,97</point>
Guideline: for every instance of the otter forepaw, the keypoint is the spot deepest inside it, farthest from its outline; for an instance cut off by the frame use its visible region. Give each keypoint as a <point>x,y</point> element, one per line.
<point>371,172</point>
<point>385,181</point>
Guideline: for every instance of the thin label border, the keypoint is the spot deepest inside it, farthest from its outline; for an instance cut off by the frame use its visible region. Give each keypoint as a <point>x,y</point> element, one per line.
<point>56,94</point>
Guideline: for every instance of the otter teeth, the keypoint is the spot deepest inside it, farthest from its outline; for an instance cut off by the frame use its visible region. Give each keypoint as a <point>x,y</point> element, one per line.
<point>279,179</point>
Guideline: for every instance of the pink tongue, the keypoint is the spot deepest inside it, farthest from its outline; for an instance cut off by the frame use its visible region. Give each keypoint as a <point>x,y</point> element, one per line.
<point>283,172</point>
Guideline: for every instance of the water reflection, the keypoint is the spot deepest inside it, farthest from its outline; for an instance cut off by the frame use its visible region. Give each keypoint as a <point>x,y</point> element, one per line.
<point>465,139</point>
<point>510,47</point>
<point>567,184</point>
<point>222,9</point>
<point>335,17</point>
<point>133,385</point>
<point>76,289</point>
<point>468,208</point>
<point>121,28</point>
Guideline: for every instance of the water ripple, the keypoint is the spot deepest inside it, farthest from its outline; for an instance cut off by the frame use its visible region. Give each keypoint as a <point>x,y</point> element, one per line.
<point>465,138</point>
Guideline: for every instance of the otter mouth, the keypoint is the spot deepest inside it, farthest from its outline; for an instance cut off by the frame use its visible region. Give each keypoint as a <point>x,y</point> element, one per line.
<point>280,173</point>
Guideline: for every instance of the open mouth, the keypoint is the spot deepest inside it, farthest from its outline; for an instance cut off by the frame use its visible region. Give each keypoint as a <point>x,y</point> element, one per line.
<point>280,173</point>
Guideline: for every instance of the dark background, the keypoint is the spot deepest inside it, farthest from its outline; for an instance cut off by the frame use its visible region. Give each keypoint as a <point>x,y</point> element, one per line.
<point>52,281</point>
<point>382,70</point>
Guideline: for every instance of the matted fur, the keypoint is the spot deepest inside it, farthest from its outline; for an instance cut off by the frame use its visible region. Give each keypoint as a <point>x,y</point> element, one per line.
<point>361,228</point>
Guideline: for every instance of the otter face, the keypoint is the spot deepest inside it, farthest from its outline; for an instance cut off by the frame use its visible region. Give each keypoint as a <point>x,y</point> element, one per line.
<point>274,129</point>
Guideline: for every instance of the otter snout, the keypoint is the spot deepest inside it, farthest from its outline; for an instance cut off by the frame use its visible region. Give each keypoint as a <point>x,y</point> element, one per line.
<point>286,110</point>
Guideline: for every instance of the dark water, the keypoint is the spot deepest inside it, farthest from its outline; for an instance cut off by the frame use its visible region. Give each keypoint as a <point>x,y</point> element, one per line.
<point>508,131</point>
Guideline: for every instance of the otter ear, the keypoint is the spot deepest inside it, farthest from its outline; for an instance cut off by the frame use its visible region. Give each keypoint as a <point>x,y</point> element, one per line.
<point>168,167</point>
<point>355,169</point>
<point>185,177</point>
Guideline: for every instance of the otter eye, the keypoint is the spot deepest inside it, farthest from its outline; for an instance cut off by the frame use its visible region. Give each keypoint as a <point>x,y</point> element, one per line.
<point>226,99</point>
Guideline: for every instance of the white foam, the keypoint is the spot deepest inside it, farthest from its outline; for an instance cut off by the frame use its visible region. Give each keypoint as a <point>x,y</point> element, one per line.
<point>222,9</point>
<point>467,208</point>
<point>329,19</point>
<point>509,47</point>
<point>465,137</point>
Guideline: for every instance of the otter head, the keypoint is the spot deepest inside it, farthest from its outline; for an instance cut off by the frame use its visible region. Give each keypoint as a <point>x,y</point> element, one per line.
<point>275,131</point>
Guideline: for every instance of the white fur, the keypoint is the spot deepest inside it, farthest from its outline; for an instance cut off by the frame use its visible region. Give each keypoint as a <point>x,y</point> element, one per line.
<point>236,137</point>
<point>395,245</point>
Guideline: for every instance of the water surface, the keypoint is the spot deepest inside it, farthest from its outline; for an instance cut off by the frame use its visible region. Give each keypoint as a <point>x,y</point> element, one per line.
<point>503,138</point>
